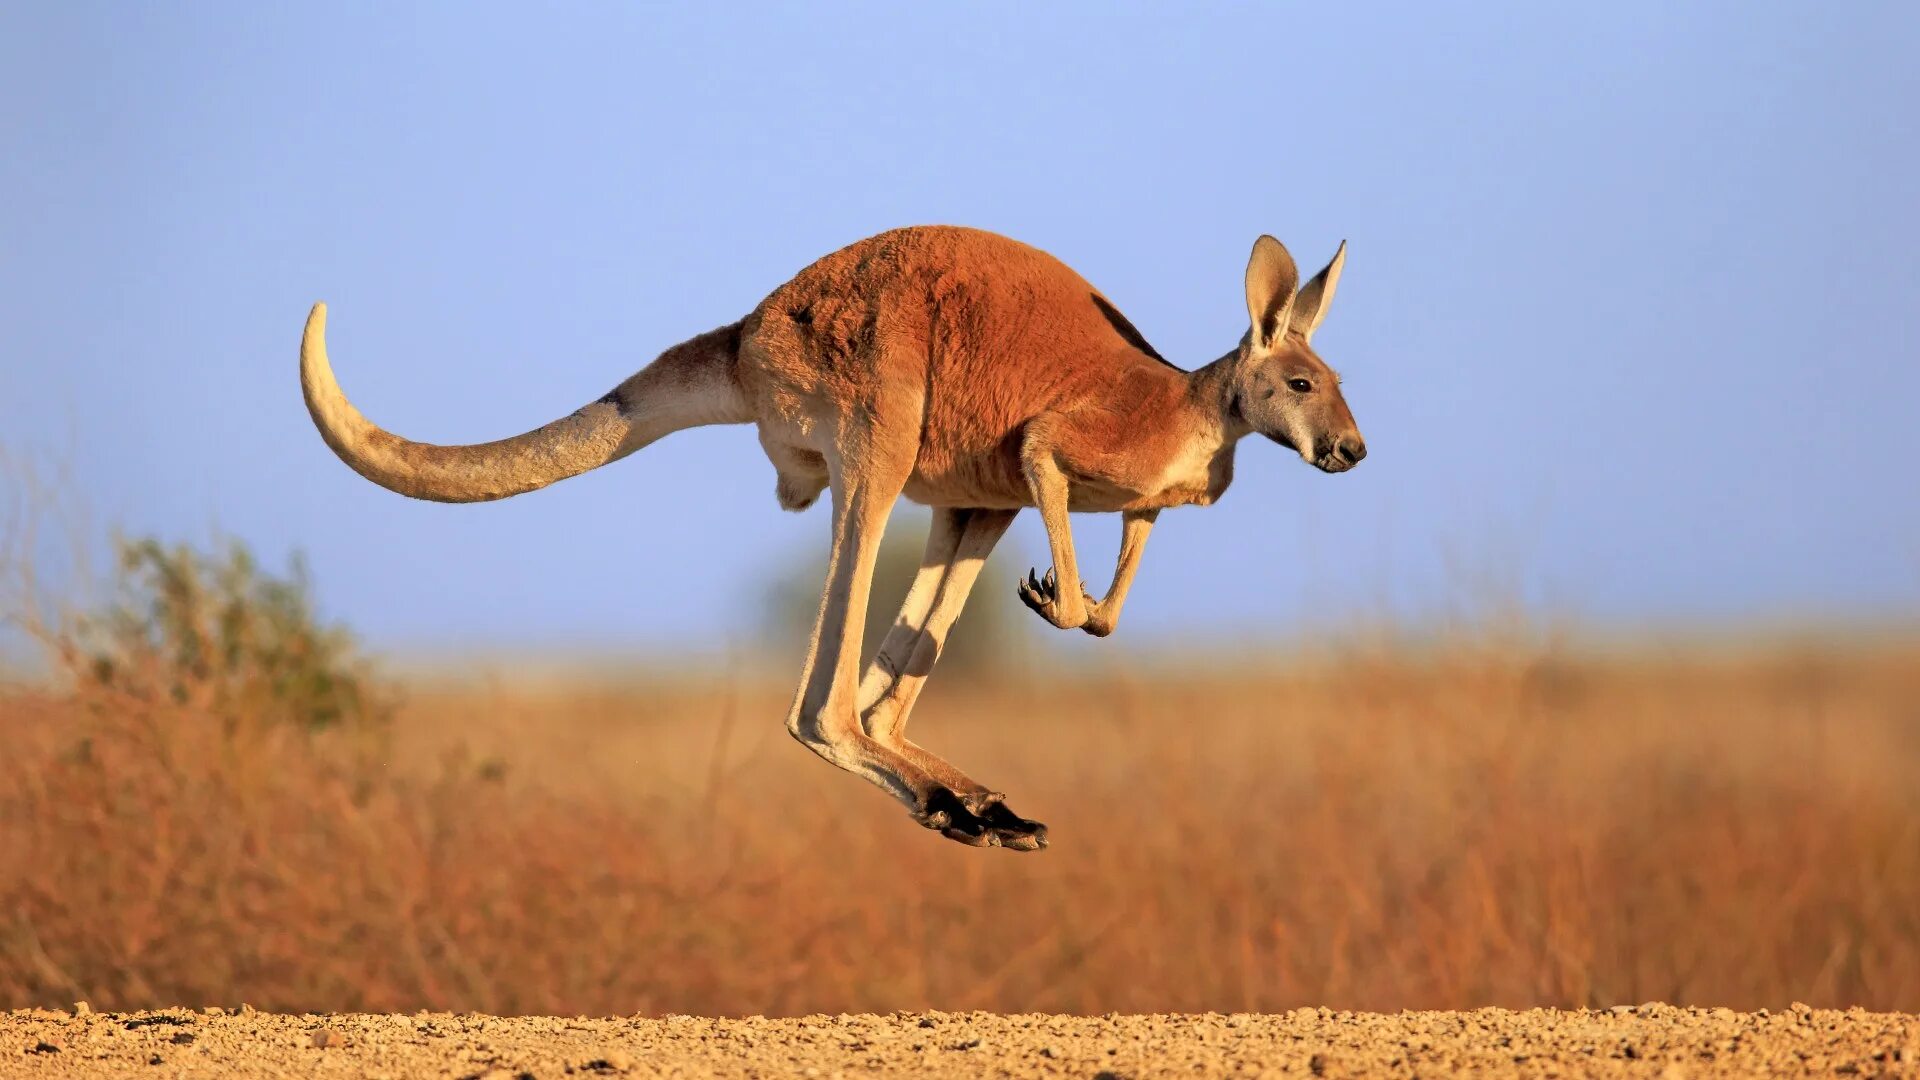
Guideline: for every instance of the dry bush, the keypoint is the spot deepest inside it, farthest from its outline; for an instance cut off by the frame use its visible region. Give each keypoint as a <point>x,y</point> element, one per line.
<point>1377,830</point>
<point>220,633</point>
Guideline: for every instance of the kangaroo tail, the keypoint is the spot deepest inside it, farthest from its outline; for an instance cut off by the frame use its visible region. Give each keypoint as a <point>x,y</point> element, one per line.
<point>690,385</point>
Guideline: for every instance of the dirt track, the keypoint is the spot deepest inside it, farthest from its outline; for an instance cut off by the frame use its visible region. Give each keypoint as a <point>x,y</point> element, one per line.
<point>1649,1040</point>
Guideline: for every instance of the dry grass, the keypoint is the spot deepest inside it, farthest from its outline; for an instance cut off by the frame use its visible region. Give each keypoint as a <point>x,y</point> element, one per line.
<point>1379,831</point>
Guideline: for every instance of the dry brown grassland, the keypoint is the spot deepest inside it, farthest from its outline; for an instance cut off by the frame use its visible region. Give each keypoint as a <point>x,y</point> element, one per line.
<point>1375,830</point>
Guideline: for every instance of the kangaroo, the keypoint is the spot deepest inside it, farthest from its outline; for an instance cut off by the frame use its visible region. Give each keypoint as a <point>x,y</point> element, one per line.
<point>962,370</point>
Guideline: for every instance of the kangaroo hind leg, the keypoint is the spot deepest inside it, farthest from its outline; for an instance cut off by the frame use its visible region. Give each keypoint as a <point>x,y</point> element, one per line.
<point>957,547</point>
<point>825,716</point>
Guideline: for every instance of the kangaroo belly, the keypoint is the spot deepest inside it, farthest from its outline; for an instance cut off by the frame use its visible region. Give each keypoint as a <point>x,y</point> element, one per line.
<point>995,482</point>
<point>989,480</point>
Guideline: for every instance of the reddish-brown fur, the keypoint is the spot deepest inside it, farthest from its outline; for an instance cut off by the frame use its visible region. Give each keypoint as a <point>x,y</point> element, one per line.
<point>971,337</point>
<point>956,368</point>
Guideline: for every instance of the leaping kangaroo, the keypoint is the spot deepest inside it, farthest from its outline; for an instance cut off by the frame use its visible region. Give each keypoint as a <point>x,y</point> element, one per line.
<point>966,371</point>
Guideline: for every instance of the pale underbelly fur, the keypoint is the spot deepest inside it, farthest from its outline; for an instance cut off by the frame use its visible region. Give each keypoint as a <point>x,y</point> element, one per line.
<point>1192,478</point>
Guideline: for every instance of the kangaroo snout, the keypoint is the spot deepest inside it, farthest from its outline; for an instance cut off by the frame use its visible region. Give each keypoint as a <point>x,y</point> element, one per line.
<point>1337,453</point>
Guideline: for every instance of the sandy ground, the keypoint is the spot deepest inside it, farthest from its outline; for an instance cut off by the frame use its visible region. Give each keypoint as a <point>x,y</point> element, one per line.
<point>1647,1040</point>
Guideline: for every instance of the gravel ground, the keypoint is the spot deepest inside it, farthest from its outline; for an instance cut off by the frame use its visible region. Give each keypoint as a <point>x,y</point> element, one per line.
<point>1647,1040</point>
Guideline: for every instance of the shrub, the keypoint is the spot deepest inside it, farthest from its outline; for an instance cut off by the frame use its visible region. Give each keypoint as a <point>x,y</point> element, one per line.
<point>218,632</point>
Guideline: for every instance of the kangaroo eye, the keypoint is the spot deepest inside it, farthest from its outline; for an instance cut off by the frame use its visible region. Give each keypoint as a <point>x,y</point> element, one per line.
<point>1299,386</point>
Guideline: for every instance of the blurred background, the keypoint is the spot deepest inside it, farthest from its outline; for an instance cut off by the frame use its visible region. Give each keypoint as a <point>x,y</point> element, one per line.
<point>1611,640</point>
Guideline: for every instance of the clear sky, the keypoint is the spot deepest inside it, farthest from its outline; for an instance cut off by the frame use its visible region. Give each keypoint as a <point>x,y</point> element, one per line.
<point>1628,317</point>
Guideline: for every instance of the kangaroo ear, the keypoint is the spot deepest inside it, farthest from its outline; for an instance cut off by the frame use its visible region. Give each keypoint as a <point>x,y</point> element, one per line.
<point>1310,307</point>
<point>1271,279</point>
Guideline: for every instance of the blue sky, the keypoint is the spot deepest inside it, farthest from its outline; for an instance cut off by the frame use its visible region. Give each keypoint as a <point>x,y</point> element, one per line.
<point>1628,317</point>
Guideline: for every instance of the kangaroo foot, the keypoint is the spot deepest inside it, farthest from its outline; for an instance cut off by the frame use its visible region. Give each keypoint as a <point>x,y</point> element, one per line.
<point>980,819</point>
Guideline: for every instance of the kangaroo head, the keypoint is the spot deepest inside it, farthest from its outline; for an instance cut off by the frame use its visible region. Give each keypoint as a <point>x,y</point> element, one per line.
<point>1282,389</point>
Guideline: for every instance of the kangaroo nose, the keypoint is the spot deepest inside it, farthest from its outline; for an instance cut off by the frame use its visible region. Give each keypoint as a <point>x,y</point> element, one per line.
<point>1352,450</point>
